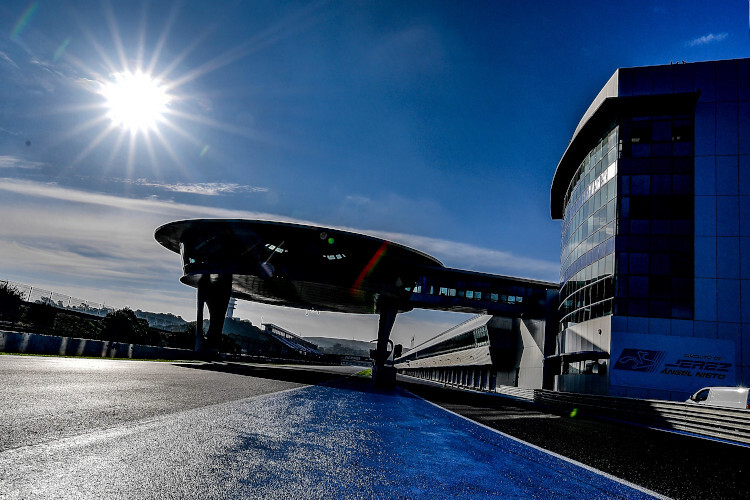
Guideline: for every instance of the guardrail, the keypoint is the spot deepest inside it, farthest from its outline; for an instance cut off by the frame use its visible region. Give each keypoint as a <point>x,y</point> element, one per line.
<point>516,392</point>
<point>709,421</point>
<point>34,343</point>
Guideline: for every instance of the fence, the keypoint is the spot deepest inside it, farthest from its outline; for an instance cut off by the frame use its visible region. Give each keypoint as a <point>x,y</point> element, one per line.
<point>41,296</point>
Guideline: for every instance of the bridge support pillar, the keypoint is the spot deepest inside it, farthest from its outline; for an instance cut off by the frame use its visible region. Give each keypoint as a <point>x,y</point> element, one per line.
<point>214,291</point>
<point>383,374</point>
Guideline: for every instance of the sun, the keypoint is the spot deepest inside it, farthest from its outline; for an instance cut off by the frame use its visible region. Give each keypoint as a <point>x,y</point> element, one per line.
<point>136,101</point>
<point>144,104</point>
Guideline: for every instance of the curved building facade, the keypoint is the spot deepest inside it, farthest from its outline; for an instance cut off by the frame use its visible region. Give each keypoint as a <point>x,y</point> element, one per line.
<point>653,193</point>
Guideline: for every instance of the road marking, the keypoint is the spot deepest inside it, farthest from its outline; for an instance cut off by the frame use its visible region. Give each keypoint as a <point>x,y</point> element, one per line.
<point>551,453</point>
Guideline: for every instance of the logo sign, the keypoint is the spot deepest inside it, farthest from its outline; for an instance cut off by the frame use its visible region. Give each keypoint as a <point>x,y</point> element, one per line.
<point>639,360</point>
<point>671,363</point>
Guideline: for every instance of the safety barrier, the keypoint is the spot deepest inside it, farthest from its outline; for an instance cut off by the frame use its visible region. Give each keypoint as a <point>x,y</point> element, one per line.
<point>34,343</point>
<point>709,421</point>
<point>516,392</point>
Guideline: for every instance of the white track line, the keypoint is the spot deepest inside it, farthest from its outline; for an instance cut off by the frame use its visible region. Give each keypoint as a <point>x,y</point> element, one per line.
<point>551,453</point>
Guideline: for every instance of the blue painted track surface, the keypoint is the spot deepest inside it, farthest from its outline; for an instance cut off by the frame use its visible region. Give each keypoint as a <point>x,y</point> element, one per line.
<point>340,440</point>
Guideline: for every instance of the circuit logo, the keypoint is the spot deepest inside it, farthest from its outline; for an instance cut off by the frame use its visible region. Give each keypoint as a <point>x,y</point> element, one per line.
<point>639,360</point>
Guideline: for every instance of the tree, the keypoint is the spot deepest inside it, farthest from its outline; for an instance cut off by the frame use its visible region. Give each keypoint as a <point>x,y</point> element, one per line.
<point>10,303</point>
<point>123,326</point>
<point>40,314</point>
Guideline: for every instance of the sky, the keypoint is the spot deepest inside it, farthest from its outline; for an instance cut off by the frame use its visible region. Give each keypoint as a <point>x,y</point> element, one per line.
<point>434,124</point>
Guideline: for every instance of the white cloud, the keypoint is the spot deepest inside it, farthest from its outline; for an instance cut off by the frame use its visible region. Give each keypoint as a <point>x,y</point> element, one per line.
<point>5,57</point>
<point>706,39</point>
<point>453,254</point>
<point>202,188</point>
<point>101,248</point>
<point>475,258</point>
<point>14,162</point>
<point>158,207</point>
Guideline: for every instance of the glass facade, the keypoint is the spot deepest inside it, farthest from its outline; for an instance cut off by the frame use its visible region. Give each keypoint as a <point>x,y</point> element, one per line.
<point>627,234</point>
<point>654,244</point>
<point>588,230</point>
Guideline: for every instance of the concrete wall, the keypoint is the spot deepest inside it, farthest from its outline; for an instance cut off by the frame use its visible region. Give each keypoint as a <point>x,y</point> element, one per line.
<point>477,356</point>
<point>530,366</point>
<point>527,370</point>
<point>34,343</point>
<point>592,335</point>
<point>722,208</point>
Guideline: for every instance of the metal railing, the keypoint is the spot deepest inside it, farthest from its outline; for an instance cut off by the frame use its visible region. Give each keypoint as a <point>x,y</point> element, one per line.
<point>727,424</point>
<point>38,295</point>
<point>710,421</point>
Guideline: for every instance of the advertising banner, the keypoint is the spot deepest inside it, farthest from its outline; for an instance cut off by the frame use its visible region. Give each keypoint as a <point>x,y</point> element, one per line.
<point>671,363</point>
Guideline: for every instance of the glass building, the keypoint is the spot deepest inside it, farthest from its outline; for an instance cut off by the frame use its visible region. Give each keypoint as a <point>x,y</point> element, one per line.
<point>653,193</point>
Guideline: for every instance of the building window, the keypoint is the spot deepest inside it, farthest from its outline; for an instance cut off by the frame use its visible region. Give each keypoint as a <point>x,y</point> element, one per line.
<point>643,236</point>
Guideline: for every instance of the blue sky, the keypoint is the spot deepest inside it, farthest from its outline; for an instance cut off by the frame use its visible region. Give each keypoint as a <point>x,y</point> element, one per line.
<point>436,124</point>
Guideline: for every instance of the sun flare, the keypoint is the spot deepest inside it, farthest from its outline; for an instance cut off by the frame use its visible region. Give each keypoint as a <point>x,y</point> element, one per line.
<point>136,101</point>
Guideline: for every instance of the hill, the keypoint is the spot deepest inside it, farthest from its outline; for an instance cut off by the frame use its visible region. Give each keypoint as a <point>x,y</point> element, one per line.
<point>342,346</point>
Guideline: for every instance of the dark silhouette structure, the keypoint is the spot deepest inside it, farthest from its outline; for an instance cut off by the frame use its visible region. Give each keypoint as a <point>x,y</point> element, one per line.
<point>332,270</point>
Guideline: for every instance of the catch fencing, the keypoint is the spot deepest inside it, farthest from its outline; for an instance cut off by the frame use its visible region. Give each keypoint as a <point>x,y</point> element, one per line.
<point>36,295</point>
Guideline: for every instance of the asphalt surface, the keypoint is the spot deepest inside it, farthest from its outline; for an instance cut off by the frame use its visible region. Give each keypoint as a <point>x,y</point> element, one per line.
<point>76,428</point>
<point>47,398</point>
<point>671,464</point>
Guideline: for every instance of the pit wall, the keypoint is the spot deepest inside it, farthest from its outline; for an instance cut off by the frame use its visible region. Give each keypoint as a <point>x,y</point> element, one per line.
<point>474,368</point>
<point>475,378</point>
<point>34,343</point>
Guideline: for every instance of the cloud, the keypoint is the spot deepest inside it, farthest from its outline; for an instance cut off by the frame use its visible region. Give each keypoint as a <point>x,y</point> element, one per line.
<point>166,209</point>
<point>101,248</point>
<point>451,253</point>
<point>706,39</point>
<point>89,84</point>
<point>476,258</point>
<point>5,57</point>
<point>19,163</point>
<point>201,188</point>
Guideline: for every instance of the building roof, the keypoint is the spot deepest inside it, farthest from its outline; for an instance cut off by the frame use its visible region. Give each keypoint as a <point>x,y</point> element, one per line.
<point>608,107</point>
<point>296,265</point>
<point>330,269</point>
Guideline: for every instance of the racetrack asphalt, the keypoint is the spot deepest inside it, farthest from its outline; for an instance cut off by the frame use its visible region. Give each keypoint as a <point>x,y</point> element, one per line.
<point>206,433</point>
<point>674,465</point>
<point>46,398</point>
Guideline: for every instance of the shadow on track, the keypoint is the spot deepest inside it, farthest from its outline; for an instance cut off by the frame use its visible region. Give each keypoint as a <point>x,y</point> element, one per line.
<point>299,375</point>
<point>286,374</point>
